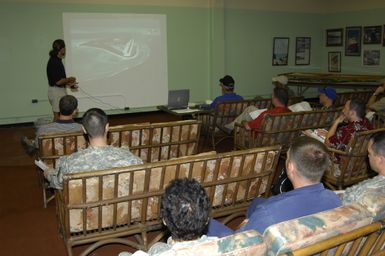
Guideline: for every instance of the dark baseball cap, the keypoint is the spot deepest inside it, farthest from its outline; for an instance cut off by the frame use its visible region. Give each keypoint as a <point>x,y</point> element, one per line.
<point>227,81</point>
<point>330,92</point>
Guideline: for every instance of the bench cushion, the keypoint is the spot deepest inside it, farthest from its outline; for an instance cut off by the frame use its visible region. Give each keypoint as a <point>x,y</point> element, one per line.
<point>298,233</point>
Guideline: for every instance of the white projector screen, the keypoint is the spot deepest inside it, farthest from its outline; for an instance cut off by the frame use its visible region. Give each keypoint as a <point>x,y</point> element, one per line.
<point>119,60</point>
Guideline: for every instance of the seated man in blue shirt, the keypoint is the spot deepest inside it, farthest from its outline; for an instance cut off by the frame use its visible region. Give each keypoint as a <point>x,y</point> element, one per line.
<point>227,83</point>
<point>307,160</point>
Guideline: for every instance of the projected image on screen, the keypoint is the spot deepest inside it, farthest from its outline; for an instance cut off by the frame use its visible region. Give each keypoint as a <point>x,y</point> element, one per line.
<point>120,60</point>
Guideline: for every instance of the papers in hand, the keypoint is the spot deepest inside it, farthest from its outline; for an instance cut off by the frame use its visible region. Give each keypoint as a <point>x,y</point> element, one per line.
<point>256,113</point>
<point>314,134</point>
<point>41,165</point>
<point>301,106</point>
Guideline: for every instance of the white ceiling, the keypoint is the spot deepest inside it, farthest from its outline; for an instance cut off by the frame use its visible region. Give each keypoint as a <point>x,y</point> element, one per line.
<point>315,6</point>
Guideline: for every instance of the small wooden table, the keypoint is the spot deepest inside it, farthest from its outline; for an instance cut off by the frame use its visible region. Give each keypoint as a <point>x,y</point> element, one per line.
<point>304,81</point>
<point>184,113</point>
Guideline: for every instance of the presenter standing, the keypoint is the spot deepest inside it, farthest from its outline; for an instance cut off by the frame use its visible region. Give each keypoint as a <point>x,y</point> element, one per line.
<point>57,78</point>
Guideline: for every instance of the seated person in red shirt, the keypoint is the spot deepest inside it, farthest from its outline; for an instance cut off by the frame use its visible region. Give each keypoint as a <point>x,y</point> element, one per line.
<point>354,114</point>
<point>279,99</point>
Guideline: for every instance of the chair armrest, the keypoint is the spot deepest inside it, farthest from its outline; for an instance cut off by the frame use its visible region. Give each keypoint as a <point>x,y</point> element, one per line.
<point>336,151</point>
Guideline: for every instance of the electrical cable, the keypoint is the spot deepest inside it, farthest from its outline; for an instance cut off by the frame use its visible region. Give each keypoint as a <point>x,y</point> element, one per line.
<point>97,100</point>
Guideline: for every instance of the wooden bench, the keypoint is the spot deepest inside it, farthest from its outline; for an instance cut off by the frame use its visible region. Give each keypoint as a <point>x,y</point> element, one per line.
<point>282,128</point>
<point>151,142</point>
<point>351,164</point>
<point>213,122</point>
<point>102,206</point>
<point>367,240</point>
<point>354,229</point>
<point>343,97</point>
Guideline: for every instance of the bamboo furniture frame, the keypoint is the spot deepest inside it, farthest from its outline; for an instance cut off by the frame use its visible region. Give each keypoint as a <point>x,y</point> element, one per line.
<point>282,128</point>
<point>150,142</point>
<point>343,97</point>
<point>213,122</point>
<point>367,240</point>
<point>100,207</point>
<point>352,166</point>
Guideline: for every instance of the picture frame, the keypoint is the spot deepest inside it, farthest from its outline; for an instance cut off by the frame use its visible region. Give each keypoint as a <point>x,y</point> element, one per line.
<point>280,51</point>
<point>302,50</point>
<point>372,35</point>
<point>353,37</point>
<point>371,57</point>
<point>334,61</point>
<point>334,37</point>
<point>383,35</point>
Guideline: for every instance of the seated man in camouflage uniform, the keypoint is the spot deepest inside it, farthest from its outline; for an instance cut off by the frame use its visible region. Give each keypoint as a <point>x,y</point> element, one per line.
<point>98,156</point>
<point>376,153</point>
<point>185,210</point>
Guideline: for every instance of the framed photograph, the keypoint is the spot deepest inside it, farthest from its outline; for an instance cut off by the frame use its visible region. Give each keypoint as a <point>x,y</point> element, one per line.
<point>334,63</point>
<point>353,41</point>
<point>371,58</point>
<point>383,34</point>
<point>302,50</point>
<point>334,37</point>
<point>372,35</point>
<point>280,51</point>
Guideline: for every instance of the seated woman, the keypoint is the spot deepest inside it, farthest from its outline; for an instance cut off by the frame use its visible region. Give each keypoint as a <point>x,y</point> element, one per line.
<point>185,210</point>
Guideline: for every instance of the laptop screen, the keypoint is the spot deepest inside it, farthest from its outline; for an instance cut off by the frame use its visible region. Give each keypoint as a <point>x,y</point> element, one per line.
<point>178,98</point>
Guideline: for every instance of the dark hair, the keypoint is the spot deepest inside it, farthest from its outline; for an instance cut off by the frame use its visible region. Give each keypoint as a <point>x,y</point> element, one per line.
<point>378,145</point>
<point>94,122</point>
<point>282,95</point>
<point>57,45</point>
<point>67,105</point>
<point>358,106</point>
<point>185,209</point>
<point>310,157</point>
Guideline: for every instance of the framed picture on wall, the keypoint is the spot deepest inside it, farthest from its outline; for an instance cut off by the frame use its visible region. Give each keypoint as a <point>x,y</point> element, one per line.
<point>353,41</point>
<point>302,50</point>
<point>280,51</point>
<point>372,35</point>
<point>371,58</point>
<point>334,37</point>
<point>334,61</point>
<point>383,35</point>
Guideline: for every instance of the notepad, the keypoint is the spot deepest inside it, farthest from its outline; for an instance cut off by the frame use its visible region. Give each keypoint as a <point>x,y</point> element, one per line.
<point>41,165</point>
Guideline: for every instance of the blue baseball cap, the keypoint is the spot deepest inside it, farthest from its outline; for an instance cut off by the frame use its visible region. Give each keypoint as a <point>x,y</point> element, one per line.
<point>330,92</point>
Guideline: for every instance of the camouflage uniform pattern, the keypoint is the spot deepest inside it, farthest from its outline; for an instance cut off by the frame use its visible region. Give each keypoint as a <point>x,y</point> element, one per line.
<point>171,245</point>
<point>356,194</point>
<point>91,159</point>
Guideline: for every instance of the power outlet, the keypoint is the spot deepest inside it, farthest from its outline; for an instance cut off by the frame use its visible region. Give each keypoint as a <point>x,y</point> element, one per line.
<point>35,101</point>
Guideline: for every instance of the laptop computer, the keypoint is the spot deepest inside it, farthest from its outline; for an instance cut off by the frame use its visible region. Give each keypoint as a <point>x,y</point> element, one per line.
<point>178,99</point>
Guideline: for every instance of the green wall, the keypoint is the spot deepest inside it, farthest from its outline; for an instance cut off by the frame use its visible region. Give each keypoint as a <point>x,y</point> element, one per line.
<point>249,43</point>
<point>28,31</point>
<point>203,45</point>
<point>353,64</point>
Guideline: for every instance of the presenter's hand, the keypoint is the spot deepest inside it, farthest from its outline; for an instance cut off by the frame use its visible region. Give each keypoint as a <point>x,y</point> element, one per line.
<point>74,86</point>
<point>71,80</point>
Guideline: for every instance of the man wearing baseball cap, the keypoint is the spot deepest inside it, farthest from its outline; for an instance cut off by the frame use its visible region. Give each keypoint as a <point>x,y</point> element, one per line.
<point>227,83</point>
<point>327,97</point>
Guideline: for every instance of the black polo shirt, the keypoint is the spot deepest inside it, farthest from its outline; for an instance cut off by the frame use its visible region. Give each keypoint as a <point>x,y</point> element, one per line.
<point>55,70</point>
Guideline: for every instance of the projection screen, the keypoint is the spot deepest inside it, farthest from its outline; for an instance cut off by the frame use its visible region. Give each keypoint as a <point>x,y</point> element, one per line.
<point>119,60</point>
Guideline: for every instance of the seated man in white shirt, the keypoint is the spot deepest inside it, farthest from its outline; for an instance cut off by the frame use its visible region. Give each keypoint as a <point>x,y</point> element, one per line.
<point>185,210</point>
